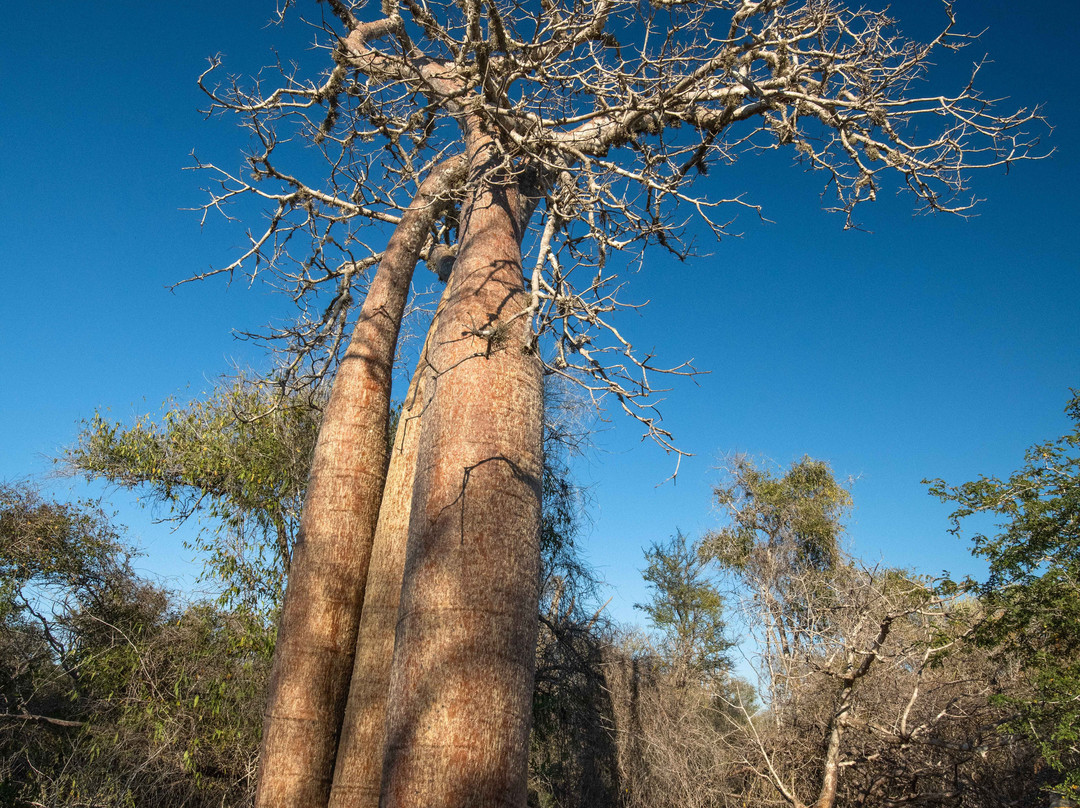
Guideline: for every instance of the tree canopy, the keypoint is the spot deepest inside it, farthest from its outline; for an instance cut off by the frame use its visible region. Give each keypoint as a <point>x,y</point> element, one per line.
<point>612,114</point>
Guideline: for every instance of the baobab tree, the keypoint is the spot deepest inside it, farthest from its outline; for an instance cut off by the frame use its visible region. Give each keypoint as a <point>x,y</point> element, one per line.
<point>476,130</point>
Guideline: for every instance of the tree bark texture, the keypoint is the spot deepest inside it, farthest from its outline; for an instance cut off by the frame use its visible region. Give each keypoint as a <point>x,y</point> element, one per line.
<point>317,636</point>
<point>358,770</point>
<point>459,708</point>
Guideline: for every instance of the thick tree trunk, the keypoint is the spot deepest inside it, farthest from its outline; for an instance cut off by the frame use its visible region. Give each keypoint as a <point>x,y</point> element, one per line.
<point>358,771</point>
<point>459,711</point>
<point>317,637</point>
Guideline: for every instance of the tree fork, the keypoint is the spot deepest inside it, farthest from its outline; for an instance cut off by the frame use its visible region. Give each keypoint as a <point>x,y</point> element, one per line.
<point>317,637</point>
<point>459,714</point>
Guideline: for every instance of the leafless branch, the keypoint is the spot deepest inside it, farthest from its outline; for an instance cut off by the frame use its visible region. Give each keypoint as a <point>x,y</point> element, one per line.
<point>619,111</point>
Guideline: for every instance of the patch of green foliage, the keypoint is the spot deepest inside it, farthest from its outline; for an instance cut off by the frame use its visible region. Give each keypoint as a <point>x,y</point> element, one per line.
<point>238,457</point>
<point>1032,594</point>
<point>112,690</point>
<point>686,609</point>
<point>798,513</point>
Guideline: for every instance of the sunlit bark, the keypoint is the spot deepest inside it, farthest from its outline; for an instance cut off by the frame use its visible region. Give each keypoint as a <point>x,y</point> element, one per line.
<point>459,711</point>
<point>317,637</point>
<point>358,771</point>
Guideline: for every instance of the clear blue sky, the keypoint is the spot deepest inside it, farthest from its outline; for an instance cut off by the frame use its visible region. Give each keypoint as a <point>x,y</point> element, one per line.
<point>929,347</point>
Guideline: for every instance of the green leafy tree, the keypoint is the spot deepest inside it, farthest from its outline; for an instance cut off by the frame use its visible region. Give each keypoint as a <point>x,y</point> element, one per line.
<point>238,457</point>
<point>60,565</point>
<point>784,531</point>
<point>113,692</point>
<point>1032,594</point>
<point>686,609</point>
<point>794,518</point>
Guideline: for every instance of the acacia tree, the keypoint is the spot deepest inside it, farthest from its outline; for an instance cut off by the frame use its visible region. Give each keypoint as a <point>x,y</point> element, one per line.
<point>239,456</point>
<point>544,106</point>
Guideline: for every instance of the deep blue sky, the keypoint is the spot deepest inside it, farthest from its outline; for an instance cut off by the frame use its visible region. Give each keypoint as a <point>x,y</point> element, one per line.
<point>930,347</point>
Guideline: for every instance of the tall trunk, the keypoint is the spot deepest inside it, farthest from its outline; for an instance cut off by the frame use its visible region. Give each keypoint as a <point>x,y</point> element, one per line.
<point>459,704</point>
<point>358,770</point>
<point>317,636</point>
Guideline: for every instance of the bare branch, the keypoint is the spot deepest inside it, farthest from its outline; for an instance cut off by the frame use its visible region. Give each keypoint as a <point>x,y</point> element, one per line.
<point>618,112</point>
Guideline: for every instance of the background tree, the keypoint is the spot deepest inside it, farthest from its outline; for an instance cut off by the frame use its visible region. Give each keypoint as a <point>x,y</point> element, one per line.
<point>686,609</point>
<point>114,692</point>
<point>783,530</point>
<point>57,563</point>
<point>868,700</point>
<point>666,687</point>
<point>239,457</point>
<point>1030,596</point>
<point>165,712</point>
<point>572,757</point>
<point>789,522</point>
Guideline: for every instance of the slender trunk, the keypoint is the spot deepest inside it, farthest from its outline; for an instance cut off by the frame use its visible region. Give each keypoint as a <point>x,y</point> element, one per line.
<point>317,636</point>
<point>459,704</point>
<point>358,771</point>
<point>858,665</point>
<point>830,766</point>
